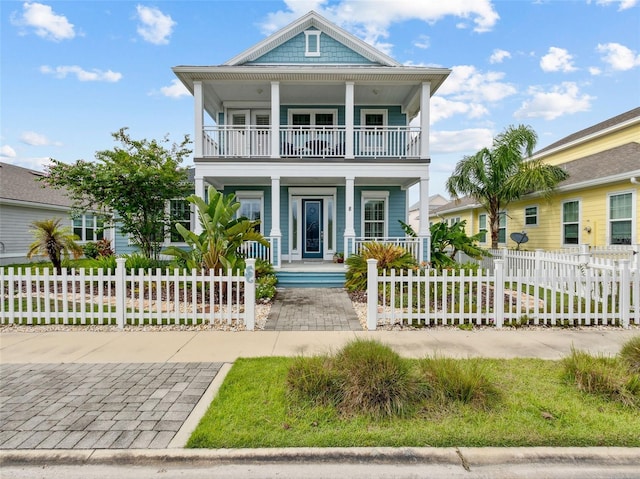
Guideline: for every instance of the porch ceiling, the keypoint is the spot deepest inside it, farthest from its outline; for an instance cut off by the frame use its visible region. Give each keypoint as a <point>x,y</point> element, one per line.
<point>220,182</point>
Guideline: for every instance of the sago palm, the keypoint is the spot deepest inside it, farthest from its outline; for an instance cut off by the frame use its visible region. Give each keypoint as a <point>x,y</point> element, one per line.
<point>53,241</point>
<point>497,176</point>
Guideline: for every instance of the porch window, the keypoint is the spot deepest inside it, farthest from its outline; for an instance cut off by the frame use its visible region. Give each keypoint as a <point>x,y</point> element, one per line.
<point>179,213</point>
<point>531,216</point>
<point>251,206</point>
<point>312,43</point>
<point>570,222</point>
<point>88,227</point>
<point>482,225</point>
<point>373,139</point>
<point>374,215</point>
<point>620,218</point>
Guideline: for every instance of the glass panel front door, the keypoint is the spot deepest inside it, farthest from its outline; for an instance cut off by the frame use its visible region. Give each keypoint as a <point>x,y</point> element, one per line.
<point>312,229</point>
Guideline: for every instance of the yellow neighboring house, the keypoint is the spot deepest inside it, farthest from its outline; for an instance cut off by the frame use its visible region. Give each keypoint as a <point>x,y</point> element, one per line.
<point>597,204</point>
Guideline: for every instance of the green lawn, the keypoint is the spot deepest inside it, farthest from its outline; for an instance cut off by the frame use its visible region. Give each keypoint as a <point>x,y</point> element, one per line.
<point>538,408</point>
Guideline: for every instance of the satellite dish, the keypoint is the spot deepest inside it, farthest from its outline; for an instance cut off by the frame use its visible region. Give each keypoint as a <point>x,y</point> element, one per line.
<point>519,238</point>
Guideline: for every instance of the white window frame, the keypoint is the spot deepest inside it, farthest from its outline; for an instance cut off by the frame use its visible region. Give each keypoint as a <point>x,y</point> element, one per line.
<point>312,114</point>
<point>375,196</point>
<point>537,216</point>
<point>308,35</point>
<point>501,215</point>
<point>252,195</point>
<point>633,218</point>
<point>563,223</point>
<point>481,227</point>
<point>376,134</point>
<point>84,227</point>
<point>167,238</point>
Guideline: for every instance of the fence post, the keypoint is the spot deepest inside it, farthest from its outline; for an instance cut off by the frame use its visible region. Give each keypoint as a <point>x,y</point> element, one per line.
<point>498,292</point>
<point>250,295</point>
<point>121,296</point>
<point>584,253</point>
<point>372,294</point>
<point>624,297</point>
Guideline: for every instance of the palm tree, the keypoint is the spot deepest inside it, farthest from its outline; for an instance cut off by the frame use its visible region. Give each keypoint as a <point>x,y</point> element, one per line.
<point>497,176</point>
<point>53,241</point>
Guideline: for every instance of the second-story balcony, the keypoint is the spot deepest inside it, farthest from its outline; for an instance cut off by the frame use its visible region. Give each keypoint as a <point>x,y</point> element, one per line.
<point>253,141</point>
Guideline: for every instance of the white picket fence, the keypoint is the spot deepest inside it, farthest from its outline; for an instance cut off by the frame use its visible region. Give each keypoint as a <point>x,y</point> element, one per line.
<point>88,297</point>
<point>559,294</point>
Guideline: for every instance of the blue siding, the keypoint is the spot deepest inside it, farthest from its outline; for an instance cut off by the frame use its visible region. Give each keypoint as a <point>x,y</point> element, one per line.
<point>331,51</point>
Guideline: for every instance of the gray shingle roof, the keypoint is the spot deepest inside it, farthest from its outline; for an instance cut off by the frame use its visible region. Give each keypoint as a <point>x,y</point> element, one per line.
<point>21,184</point>
<point>592,129</point>
<point>613,162</point>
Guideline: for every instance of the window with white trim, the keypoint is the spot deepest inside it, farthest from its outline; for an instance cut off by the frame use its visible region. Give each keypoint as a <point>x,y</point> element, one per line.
<point>620,218</point>
<point>179,213</point>
<point>482,225</point>
<point>454,220</point>
<point>570,222</point>
<point>251,206</point>
<point>88,227</point>
<point>374,214</point>
<point>502,227</point>
<point>531,216</point>
<point>312,43</point>
<point>373,139</point>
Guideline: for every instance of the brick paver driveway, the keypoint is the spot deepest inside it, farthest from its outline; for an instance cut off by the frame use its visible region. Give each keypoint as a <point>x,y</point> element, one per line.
<point>98,406</point>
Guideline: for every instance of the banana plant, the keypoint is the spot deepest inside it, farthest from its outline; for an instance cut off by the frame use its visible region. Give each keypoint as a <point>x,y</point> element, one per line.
<point>222,234</point>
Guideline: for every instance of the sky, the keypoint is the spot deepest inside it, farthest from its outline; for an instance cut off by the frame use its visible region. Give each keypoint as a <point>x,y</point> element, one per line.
<point>74,72</point>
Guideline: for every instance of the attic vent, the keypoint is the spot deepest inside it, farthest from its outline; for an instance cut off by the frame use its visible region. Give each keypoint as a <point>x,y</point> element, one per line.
<point>312,43</point>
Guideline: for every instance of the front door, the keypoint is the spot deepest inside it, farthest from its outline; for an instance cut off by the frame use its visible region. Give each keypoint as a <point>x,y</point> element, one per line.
<point>312,229</point>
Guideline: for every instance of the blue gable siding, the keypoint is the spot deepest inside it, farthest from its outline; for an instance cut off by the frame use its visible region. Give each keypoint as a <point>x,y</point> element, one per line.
<point>396,206</point>
<point>293,51</point>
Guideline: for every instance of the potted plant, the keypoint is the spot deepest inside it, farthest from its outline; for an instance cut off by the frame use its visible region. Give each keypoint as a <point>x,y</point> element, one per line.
<point>338,257</point>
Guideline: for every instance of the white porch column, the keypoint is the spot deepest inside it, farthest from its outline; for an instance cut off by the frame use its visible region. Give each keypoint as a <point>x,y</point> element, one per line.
<point>198,119</point>
<point>424,232</point>
<point>348,119</point>
<point>275,119</point>
<point>275,206</point>
<point>200,193</point>
<point>349,230</point>
<point>425,102</point>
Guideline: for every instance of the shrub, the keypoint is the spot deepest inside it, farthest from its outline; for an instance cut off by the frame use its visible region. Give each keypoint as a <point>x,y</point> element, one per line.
<point>266,286</point>
<point>389,257</point>
<point>630,353</point>
<point>462,381</point>
<point>90,250</point>
<point>104,247</point>
<point>605,376</point>
<point>108,263</point>
<point>136,261</point>
<point>263,268</point>
<point>374,380</point>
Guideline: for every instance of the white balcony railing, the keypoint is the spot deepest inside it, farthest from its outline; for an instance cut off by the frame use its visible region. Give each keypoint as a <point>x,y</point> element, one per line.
<point>250,141</point>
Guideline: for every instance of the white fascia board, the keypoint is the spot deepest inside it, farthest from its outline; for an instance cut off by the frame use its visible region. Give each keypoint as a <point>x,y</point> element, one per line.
<point>32,204</point>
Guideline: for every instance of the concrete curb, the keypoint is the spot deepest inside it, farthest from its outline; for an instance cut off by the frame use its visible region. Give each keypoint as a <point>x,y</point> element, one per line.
<point>465,457</point>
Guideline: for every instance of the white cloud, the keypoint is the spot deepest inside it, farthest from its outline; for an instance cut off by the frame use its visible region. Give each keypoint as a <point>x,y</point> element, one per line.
<point>371,19</point>
<point>34,139</point>
<point>442,108</point>
<point>175,90</point>
<point>467,83</point>
<point>595,71</point>
<point>558,59</point>
<point>624,4</point>
<point>561,100</point>
<point>81,74</point>
<point>423,42</point>
<point>44,21</point>
<point>7,152</point>
<point>36,164</point>
<point>460,141</point>
<point>618,57</point>
<point>155,27</point>
<point>498,56</point>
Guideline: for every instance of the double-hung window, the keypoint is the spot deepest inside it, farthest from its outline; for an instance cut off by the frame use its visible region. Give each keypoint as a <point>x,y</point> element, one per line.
<point>374,215</point>
<point>620,218</point>
<point>531,216</point>
<point>180,213</point>
<point>482,227</point>
<point>251,206</point>
<point>570,222</point>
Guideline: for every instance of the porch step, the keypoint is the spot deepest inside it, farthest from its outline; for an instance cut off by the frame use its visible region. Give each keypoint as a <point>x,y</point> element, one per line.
<point>310,279</point>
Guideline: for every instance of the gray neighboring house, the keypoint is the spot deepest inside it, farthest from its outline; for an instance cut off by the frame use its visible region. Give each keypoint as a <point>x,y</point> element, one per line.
<point>23,200</point>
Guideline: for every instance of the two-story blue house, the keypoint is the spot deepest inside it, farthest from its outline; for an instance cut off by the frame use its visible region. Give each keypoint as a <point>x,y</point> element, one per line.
<point>319,135</point>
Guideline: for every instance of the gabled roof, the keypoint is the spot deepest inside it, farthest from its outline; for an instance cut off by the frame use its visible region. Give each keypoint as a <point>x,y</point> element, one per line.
<point>631,116</point>
<point>312,20</point>
<point>22,185</point>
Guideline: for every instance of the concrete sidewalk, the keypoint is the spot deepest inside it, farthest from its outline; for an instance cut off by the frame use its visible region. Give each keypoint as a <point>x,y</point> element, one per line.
<point>217,346</point>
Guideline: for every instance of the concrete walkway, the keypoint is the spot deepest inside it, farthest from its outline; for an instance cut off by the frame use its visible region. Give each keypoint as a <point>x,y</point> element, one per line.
<point>312,309</point>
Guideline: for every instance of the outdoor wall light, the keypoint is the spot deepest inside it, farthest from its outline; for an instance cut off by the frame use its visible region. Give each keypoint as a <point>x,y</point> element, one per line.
<point>587,229</point>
